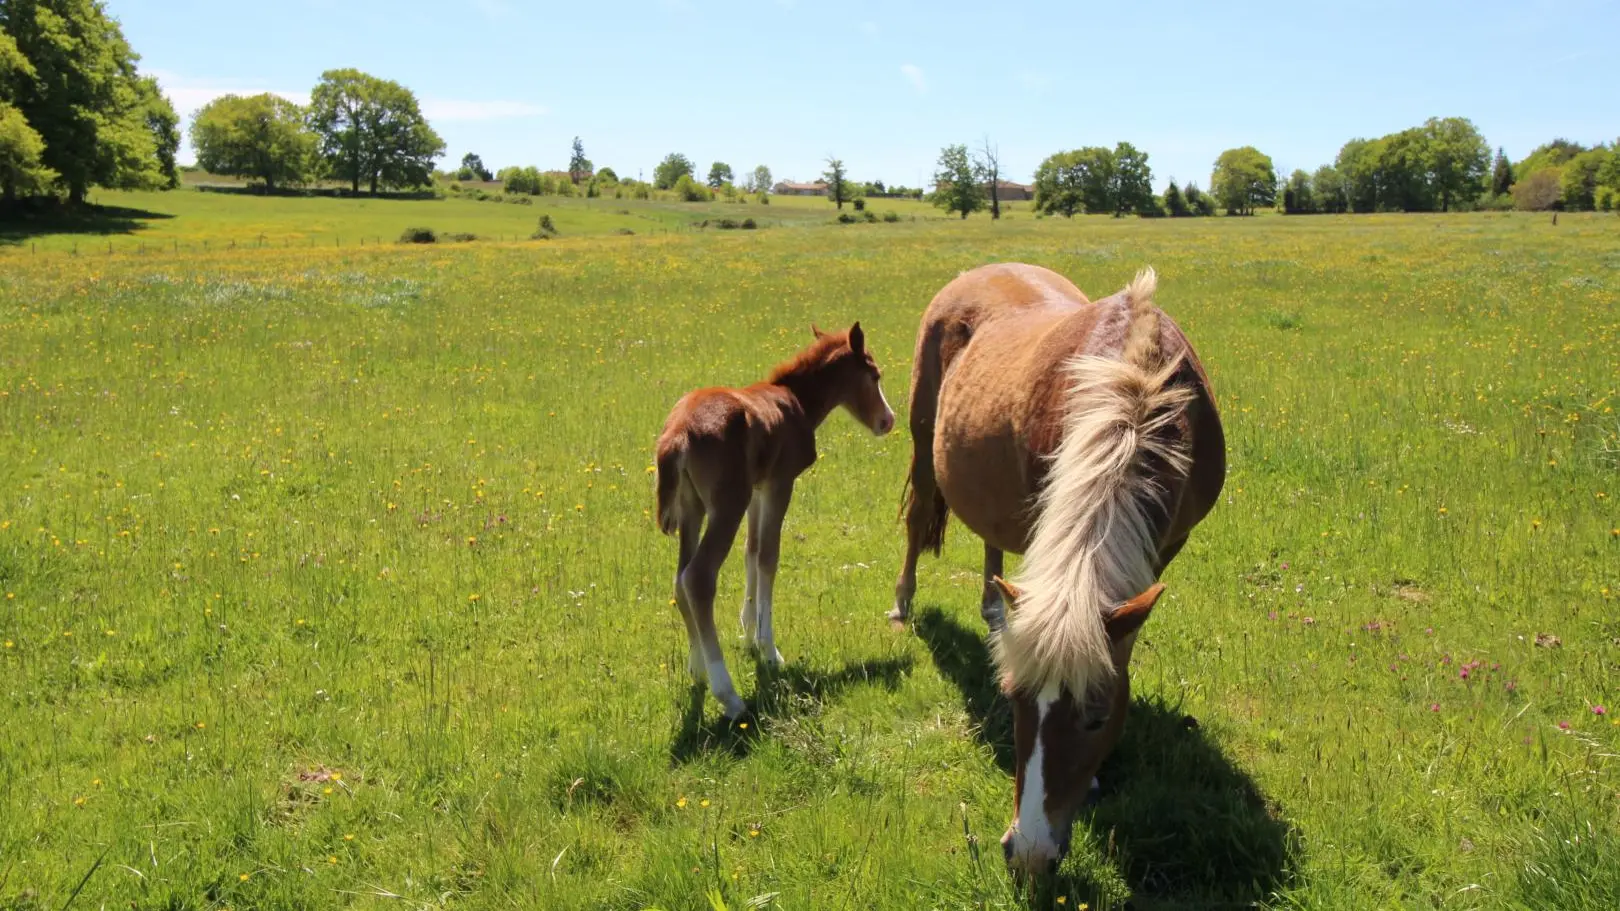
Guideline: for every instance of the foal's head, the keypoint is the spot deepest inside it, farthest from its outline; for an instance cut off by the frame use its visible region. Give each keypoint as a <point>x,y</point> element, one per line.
<point>850,378</point>
<point>1060,740</point>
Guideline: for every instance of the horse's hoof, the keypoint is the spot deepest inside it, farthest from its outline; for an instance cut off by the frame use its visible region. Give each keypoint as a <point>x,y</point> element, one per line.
<point>734,707</point>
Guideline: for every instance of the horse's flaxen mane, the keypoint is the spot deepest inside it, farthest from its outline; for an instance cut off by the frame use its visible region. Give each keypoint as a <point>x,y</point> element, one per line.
<point>1094,544</point>
<point>814,355</point>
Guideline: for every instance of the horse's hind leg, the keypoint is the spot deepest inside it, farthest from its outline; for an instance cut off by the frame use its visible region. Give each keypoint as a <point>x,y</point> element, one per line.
<point>748,619</point>
<point>925,508</point>
<point>698,582</point>
<point>691,531</point>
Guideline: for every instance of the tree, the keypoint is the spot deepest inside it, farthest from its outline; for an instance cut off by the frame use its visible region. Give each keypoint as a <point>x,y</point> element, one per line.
<point>22,169</point>
<point>80,94</point>
<point>1057,187</point>
<point>761,180</point>
<point>607,176</point>
<point>1199,203</point>
<point>1174,202</point>
<point>260,137</point>
<point>837,186</point>
<point>719,174</point>
<point>1327,184</point>
<point>1457,159</point>
<point>1501,174</point>
<point>372,130</point>
<point>1540,191</point>
<point>1299,196</point>
<point>1094,177</point>
<point>990,167</point>
<point>579,167</point>
<point>956,182</point>
<point>472,168</point>
<point>1132,180</point>
<point>672,168</point>
<point>1243,180</point>
<point>164,125</point>
<point>1579,181</point>
<point>1554,154</point>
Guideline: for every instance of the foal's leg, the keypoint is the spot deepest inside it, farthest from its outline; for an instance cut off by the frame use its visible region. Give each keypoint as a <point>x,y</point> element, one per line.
<point>748,617</point>
<point>991,607</point>
<point>698,580</point>
<point>691,530</point>
<point>774,502</point>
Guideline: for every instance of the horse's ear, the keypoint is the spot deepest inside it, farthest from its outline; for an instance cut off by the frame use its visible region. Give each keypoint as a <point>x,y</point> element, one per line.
<point>1010,593</point>
<point>1133,613</point>
<point>857,339</point>
<point>816,330</point>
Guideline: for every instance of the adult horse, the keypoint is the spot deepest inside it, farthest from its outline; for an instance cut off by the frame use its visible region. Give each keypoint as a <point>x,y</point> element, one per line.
<point>1083,435</point>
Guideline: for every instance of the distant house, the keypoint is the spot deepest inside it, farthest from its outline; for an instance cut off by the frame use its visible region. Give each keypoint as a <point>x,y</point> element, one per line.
<point>1007,191</point>
<point>789,188</point>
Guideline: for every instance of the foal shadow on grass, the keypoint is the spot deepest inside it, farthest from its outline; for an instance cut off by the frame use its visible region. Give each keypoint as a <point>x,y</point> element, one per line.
<point>1182,825</point>
<point>781,694</point>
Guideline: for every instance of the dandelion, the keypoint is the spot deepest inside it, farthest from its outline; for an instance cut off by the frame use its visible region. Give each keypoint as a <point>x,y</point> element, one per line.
<point>1443,510</point>
<point>78,801</point>
<point>743,726</point>
<point>201,725</point>
<point>298,622</point>
<point>244,877</point>
<point>753,830</point>
<point>680,803</point>
<point>704,803</point>
<point>1535,524</point>
<point>10,644</point>
<point>331,858</point>
<point>349,837</point>
<point>327,791</point>
<point>474,597</point>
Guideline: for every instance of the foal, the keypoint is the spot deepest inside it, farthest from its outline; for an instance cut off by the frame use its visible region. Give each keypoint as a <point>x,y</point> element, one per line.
<point>726,453</point>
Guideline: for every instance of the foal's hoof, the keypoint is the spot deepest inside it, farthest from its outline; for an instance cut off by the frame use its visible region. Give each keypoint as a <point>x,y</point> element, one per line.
<point>897,618</point>
<point>734,707</point>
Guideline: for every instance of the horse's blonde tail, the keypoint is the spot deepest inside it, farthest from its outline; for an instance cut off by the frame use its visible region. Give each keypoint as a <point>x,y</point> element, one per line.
<point>1094,543</point>
<point>670,456</point>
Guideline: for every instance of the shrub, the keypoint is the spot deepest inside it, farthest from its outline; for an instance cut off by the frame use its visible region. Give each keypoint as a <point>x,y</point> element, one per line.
<point>461,237</point>
<point>689,190</point>
<point>748,223</point>
<point>860,205</point>
<point>625,231</point>
<point>1540,191</point>
<point>726,224</point>
<point>764,199</point>
<point>871,217</point>
<point>891,217</point>
<point>418,236</point>
<point>547,229</point>
<point>847,218</point>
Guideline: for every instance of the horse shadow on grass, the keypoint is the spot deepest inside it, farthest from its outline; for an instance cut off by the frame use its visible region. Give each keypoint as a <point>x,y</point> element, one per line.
<point>780,694</point>
<point>1182,824</point>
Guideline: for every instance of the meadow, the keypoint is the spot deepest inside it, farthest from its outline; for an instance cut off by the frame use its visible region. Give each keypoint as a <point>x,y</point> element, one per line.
<point>329,578</point>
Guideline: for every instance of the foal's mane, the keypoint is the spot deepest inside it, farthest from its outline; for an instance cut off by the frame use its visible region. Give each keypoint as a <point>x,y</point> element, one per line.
<point>1094,544</point>
<point>814,355</point>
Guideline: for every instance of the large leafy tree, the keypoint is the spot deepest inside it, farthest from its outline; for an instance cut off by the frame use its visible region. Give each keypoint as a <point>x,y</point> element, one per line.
<point>719,174</point>
<point>1457,159</point>
<point>372,130</point>
<point>22,169</point>
<point>761,181</point>
<point>473,168</point>
<point>98,122</point>
<point>672,168</point>
<point>260,137</point>
<point>956,182</point>
<point>1132,181</point>
<point>1057,187</point>
<point>1581,178</point>
<point>1328,186</point>
<point>1244,179</point>
<point>1094,177</point>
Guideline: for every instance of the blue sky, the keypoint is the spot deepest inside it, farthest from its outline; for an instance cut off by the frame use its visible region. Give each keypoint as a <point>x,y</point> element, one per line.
<point>885,84</point>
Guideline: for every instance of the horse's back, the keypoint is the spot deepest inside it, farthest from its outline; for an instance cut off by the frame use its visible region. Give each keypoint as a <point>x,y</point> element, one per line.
<point>1003,393</point>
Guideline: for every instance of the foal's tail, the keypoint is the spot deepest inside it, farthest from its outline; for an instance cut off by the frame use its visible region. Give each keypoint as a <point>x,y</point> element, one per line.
<point>670,455</point>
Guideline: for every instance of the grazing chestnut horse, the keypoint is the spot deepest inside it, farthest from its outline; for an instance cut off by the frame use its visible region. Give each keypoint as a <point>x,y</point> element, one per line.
<point>726,453</point>
<point>1083,435</point>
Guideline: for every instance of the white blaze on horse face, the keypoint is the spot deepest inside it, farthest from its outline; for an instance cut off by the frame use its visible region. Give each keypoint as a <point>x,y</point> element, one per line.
<point>885,419</point>
<point>1031,844</point>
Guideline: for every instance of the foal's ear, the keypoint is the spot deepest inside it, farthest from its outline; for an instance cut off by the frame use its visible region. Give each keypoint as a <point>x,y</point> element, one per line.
<point>857,339</point>
<point>816,330</point>
<point>1010,593</point>
<point>1133,613</point>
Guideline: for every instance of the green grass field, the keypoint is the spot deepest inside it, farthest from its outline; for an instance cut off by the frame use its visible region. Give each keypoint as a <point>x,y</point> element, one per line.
<point>193,221</point>
<point>329,578</point>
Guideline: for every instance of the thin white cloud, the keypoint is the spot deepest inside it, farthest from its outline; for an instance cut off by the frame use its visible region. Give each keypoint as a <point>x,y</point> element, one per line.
<point>187,94</point>
<point>455,110</point>
<point>914,75</point>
